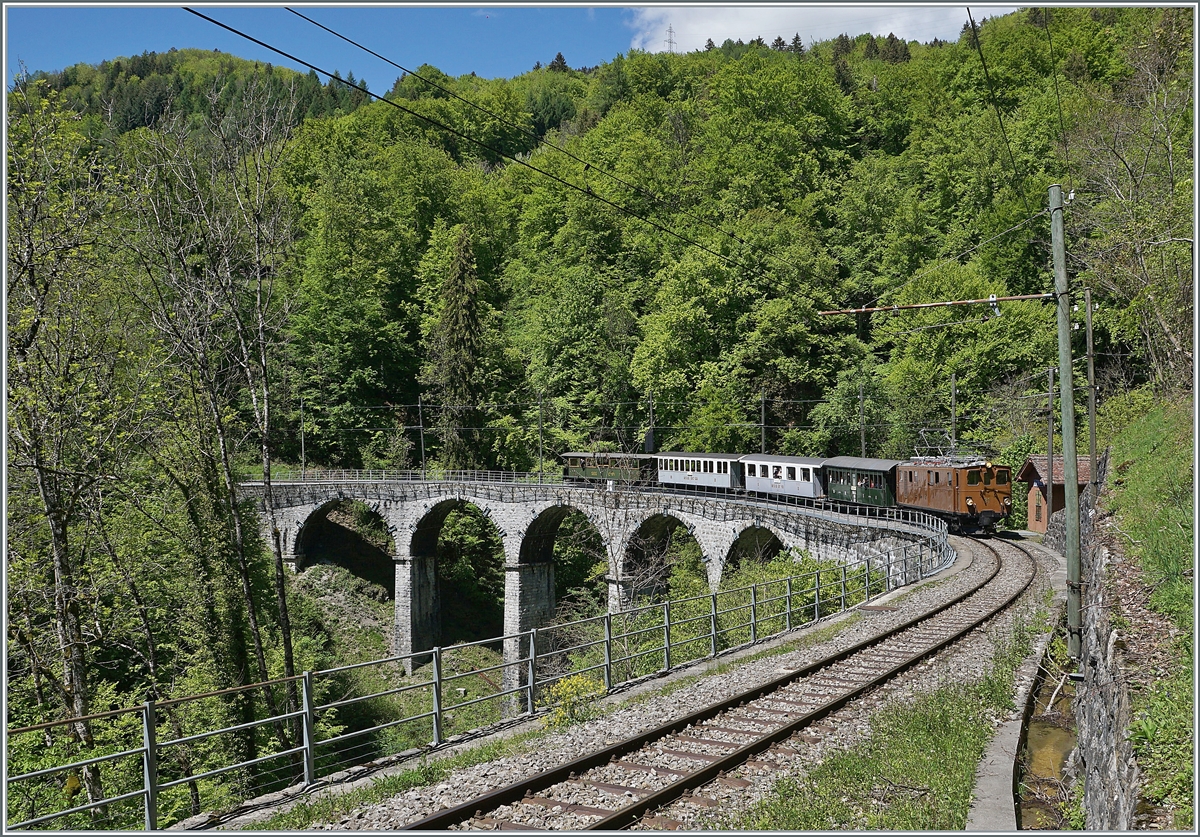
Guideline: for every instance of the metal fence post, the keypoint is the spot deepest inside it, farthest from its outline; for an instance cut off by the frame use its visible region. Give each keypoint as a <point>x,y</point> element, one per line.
<point>843,586</point>
<point>867,579</point>
<point>608,684</point>
<point>437,695</point>
<point>788,602</point>
<point>817,596</point>
<point>754,613</point>
<point>310,740</point>
<point>667,635</point>
<point>150,764</point>
<point>714,624</point>
<point>532,668</point>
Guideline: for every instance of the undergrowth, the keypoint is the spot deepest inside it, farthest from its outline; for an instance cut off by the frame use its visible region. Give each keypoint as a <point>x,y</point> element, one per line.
<point>1151,489</point>
<point>916,770</point>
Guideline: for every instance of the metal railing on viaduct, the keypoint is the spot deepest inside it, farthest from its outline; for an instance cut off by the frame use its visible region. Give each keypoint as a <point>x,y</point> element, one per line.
<point>164,761</point>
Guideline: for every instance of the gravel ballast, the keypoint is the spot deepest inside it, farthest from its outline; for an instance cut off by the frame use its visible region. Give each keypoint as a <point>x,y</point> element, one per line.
<point>642,710</point>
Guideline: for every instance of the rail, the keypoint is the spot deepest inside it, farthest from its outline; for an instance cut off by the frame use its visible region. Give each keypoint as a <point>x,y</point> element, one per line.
<point>526,485</point>
<point>421,708</point>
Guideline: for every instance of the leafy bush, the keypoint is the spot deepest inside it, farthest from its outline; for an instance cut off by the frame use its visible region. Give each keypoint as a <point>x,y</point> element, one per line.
<point>573,700</point>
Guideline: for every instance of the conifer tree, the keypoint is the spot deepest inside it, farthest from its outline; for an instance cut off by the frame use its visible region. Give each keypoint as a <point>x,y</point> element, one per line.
<point>454,349</point>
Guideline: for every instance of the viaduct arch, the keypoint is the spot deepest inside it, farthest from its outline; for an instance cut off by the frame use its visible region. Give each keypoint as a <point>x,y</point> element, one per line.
<point>527,517</point>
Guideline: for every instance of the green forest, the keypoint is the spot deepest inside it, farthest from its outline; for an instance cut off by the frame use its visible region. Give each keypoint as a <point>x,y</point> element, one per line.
<point>221,271</point>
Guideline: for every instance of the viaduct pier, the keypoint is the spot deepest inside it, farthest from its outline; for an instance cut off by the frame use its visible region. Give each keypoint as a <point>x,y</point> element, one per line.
<point>527,511</point>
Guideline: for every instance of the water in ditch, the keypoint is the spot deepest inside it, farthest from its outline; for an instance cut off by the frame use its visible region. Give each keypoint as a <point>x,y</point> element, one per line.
<point>1050,738</point>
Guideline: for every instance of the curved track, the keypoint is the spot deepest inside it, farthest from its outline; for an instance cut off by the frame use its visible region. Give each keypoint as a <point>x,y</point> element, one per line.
<point>622,785</point>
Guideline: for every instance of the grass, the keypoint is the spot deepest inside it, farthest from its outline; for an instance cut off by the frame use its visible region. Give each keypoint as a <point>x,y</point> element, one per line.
<point>1151,488</point>
<point>915,771</point>
<point>331,807</point>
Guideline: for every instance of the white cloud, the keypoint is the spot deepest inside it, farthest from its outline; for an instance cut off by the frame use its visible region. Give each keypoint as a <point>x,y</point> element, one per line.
<point>693,25</point>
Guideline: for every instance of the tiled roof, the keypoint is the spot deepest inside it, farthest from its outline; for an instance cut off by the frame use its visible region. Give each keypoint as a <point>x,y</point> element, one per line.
<point>1035,469</point>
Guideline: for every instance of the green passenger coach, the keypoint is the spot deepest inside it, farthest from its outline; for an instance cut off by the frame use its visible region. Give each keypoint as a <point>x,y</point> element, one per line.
<point>618,467</point>
<point>869,482</point>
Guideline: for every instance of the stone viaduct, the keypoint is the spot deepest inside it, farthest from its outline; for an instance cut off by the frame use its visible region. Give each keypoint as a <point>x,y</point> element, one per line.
<point>528,515</point>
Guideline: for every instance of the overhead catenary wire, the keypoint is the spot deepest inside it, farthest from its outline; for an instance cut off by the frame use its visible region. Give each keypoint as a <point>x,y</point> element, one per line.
<point>539,140</point>
<point>1057,97</point>
<point>582,190</point>
<point>999,116</point>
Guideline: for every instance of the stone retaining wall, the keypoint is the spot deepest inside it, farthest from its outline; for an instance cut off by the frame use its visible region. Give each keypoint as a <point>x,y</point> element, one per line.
<point>1103,756</point>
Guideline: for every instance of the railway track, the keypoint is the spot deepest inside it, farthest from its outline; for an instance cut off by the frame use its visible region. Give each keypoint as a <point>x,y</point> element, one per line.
<point>622,786</point>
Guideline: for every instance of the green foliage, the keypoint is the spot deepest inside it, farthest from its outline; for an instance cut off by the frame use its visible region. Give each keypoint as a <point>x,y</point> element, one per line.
<point>1152,493</point>
<point>915,771</point>
<point>571,700</point>
<point>425,270</point>
<point>1151,487</point>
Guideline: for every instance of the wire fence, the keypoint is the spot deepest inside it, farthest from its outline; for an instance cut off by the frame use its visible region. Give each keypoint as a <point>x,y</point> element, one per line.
<point>162,762</point>
<point>166,758</point>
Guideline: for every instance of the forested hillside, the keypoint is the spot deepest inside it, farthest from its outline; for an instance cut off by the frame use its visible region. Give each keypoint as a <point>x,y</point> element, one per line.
<point>203,253</point>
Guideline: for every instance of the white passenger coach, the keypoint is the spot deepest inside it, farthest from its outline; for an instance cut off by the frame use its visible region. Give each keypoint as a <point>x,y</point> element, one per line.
<point>701,470</point>
<point>799,476</point>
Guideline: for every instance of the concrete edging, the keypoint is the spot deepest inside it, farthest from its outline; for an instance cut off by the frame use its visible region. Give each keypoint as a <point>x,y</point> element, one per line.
<point>994,798</point>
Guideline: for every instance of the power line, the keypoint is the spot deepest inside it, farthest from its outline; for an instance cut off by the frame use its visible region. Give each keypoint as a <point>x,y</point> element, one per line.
<point>996,106</point>
<point>1054,69</point>
<point>587,164</point>
<point>584,191</point>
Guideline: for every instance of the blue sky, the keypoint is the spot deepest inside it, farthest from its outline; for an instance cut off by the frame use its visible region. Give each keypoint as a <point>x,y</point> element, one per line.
<point>492,41</point>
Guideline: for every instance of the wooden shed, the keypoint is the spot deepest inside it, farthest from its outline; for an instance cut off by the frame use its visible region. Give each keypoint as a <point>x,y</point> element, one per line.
<point>1034,472</point>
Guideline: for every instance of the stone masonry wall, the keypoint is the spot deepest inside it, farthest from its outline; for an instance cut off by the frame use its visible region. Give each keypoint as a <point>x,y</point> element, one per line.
<point>1103,755</point>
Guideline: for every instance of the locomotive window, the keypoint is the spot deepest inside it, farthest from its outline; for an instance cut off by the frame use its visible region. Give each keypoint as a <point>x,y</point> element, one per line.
<point>937,477</point>
<point>972,478</point>
<point>1002,478</point>
<point>987,477</point>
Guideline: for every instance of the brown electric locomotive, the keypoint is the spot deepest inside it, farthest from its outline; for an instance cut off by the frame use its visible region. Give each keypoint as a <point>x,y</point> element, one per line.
<point>971,494</point>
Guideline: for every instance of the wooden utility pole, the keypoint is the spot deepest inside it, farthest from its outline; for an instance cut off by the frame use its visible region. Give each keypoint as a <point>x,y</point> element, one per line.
<point>762,422</point>
<point>1087,300</point>
<point>862,424</point>
<point>421,426</point>
<point>1067,402</point>
<point>1050,448</point>
<point>953,414</point>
